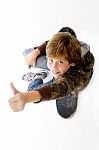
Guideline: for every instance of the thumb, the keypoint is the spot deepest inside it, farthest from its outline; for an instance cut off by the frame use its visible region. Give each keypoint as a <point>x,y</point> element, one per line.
<point>14,90</point>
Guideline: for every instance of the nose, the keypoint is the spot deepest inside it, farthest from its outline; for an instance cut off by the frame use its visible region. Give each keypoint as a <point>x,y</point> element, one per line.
<point>54,65</point>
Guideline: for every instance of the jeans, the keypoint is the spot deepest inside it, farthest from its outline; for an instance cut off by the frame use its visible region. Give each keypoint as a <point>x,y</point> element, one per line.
<point>41,60</point>
<point>37,83</point>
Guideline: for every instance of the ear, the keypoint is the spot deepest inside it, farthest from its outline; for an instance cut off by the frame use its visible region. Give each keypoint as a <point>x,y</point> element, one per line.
<point>72,64</point>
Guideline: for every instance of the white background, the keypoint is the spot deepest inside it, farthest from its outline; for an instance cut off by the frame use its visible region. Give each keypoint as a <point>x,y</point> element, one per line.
<point>27,23</point>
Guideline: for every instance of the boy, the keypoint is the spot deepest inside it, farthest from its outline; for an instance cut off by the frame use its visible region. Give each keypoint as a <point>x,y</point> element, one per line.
<point>70,75</point>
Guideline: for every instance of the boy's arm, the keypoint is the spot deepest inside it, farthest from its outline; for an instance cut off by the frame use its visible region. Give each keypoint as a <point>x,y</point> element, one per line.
<point>53,91</point>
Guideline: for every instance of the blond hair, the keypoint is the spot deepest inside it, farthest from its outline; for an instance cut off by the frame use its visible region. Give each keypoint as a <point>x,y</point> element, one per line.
<point>63,44</point>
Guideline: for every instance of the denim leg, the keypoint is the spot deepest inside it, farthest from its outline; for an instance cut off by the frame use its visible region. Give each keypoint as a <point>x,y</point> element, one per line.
<point>35,84</point>
<point>67,106</point>
<point>41,60</point>
<point>47,83</point>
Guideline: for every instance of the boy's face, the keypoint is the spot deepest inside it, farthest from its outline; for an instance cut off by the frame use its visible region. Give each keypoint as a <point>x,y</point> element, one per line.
<point>58,66</point>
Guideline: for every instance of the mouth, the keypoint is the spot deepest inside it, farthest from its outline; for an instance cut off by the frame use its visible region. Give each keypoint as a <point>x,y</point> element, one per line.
<point>55,72</point>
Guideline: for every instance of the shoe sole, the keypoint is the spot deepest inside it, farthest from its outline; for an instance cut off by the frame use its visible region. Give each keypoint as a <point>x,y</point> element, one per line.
<point>66,109</point>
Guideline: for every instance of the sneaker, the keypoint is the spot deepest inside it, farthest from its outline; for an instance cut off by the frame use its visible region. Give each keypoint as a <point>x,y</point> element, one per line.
<point>67,106</point>
<point>30,75</point>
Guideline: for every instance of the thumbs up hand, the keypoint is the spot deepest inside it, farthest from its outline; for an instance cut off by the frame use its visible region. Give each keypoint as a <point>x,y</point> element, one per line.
<point>17,102</point>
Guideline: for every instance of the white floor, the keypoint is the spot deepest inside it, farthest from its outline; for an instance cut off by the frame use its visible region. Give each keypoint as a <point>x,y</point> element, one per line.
<point>39,126</point>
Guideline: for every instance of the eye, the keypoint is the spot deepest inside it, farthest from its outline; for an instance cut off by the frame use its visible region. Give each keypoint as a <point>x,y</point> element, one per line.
<point>50,60</point>
<point>61,62</point>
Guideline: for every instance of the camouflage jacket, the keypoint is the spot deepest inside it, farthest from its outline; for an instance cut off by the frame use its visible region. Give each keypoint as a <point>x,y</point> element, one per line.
<point>74,80</point>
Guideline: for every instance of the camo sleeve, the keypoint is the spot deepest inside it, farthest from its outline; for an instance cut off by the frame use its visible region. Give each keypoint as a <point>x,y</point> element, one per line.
<point>56,90</point>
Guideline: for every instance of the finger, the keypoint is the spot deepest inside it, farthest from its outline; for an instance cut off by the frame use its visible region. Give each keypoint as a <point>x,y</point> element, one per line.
<point>11,101</point>
<point>14,102</point>
<point>14,90</point>
<point>17,107</point>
